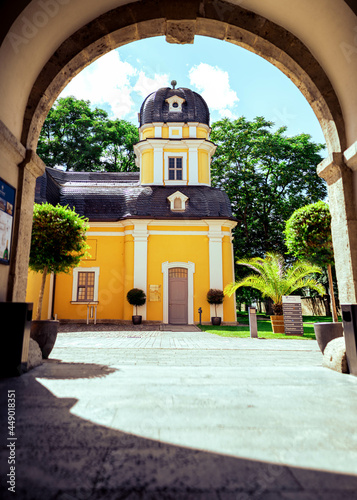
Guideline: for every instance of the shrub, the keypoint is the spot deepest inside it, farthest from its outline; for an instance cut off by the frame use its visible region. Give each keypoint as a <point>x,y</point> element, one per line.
<point>136,297</point>
<point>215,296</point>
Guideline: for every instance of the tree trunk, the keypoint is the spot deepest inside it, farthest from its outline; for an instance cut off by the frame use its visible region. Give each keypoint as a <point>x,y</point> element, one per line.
<point>40,298</point>
<point>332,295</point>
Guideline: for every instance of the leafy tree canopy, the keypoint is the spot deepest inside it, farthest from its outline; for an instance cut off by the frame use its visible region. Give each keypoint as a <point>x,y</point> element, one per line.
<point>58,239</point>
<point>58,242</point>
<point>267,175</point>
<point>308,234</point>
<point>80,138</point>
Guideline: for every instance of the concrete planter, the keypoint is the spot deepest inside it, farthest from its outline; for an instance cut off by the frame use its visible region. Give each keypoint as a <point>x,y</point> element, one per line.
<point>44,332</point>
<point>216,320</point>
<point>136,319</point>
<point>325,332</point>
<point>277,323</point>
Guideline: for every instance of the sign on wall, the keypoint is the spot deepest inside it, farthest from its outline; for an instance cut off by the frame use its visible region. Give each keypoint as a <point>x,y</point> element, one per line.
<point>292,315</point>
<point>7,207</point>
<point>155,293</point>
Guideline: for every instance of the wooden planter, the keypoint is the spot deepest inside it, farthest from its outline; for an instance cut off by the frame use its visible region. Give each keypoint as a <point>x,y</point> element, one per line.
<point>277,323</point>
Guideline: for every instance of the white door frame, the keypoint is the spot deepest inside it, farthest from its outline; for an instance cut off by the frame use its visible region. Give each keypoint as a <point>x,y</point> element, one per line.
<point>190,266</point>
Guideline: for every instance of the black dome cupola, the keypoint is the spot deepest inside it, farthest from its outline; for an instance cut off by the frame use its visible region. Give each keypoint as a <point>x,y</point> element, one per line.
<point>174,105</point>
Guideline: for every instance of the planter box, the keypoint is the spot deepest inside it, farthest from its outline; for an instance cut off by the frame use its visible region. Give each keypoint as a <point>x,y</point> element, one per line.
<point>277,323</point>
<point>15,339</point>
<point>216,320</point>
<point>44,332</point>
<point>325,332</point>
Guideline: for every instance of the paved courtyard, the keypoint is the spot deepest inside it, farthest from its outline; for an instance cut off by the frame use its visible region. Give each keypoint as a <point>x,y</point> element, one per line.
<point>182,415</point>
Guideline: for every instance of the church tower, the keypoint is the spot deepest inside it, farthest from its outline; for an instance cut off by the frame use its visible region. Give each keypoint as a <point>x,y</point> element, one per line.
<point>174,147</point>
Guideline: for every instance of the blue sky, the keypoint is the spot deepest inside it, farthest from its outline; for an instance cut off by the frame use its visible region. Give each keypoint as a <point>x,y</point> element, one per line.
<point>233,81</point>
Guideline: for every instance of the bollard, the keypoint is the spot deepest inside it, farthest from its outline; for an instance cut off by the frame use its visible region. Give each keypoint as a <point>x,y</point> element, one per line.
<point>253,325</point>
<point>200,313</point>
<point>349,318</point>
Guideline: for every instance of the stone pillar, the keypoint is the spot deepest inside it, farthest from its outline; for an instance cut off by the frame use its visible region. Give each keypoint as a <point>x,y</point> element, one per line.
<point>215,261</point>
<point>339,178</point>
<point>140,235</point>
<point>29,169</point>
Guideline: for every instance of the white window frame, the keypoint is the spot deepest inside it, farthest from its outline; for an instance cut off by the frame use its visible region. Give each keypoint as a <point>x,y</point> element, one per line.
<point>190,266</point>
<point>182,155</point>
<point>77,270</point>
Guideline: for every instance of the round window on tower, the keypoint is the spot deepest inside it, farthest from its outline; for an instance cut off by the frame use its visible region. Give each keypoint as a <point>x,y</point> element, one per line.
<point>175,105</point>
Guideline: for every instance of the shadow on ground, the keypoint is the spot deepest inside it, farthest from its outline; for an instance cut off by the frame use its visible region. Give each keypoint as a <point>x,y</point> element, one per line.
<point>62,457</point>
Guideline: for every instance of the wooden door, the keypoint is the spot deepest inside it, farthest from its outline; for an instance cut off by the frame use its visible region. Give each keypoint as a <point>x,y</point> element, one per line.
<point>178,296</point>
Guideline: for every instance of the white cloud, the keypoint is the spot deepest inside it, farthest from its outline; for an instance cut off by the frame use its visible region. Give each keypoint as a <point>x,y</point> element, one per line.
<point>105,81</point>
<point>213,84</point>
<point>146,85</point>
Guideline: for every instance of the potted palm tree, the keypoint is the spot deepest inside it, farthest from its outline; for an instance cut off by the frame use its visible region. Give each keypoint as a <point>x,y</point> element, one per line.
<point>308,236</point>
<point>274,278</point>
<point>136,297</point>
<point>215,296</point>
<point>58,243</point>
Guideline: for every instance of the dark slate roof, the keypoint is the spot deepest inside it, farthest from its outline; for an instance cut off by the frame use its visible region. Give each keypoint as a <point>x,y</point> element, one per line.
<point>105,196</point>
<point>156,109</point>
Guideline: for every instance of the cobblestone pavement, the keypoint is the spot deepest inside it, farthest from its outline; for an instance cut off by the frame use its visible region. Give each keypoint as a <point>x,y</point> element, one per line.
<point>152,415</point>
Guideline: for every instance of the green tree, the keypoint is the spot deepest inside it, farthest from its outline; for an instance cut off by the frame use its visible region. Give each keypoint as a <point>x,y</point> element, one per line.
<point>308,236</point>
<point>267,175</point>
<point>58,242</point>
<point>80,138</point>
<point>119,137</point>
<point>274,278</point>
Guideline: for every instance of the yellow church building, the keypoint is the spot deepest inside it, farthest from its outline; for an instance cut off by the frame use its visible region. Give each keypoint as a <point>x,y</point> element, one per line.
<point>163,229</point>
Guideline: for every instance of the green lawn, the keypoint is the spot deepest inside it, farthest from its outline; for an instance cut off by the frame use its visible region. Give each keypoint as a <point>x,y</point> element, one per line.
<point>264,328</point>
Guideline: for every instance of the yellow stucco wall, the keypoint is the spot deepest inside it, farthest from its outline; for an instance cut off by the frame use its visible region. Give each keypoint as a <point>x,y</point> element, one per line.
<point>147,168</point>
<point>33,290</point>
<point>112,251</point>
<point>203,166</point>
<point>148,132</point>
<point>185,249</point>
<point>228,276</point>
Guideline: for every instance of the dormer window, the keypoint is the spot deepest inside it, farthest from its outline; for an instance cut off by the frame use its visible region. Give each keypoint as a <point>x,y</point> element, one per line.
<point>177,202</point>
<point>175,103</point>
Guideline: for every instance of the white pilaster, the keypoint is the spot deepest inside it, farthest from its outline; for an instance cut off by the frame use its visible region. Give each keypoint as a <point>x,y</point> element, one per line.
<point>158,166</point>
<point>140,235</point>
<point>193,130</point>
<point>215,260</point>
<point>193,165</point>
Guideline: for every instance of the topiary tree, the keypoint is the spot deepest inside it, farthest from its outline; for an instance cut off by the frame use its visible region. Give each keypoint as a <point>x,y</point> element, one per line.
<point>215,296</point>
<point>274,278</point>
<point>136,297</point>
<point>308,236</point>
<point>58,242</point>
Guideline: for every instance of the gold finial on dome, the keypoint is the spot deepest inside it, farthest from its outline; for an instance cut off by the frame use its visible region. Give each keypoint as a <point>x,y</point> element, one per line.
<point>173,83</point>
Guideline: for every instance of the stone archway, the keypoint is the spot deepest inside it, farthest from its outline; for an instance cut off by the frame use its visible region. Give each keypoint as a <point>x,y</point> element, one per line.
<point>180,21</point>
